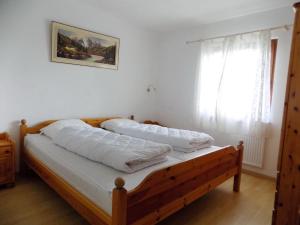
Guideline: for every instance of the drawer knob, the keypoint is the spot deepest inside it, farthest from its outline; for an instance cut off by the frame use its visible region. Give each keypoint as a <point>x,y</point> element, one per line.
<point>6,151</point>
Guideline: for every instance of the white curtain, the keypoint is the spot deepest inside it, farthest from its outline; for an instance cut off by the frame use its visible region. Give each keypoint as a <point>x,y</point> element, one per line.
<point>233,94</point>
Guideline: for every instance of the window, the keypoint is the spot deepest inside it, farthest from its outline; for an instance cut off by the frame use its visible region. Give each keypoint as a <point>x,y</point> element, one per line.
<point>234,83</point>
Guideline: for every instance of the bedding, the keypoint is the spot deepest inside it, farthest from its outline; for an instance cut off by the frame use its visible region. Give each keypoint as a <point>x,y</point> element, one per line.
<point>92,179</point>
<point>180,140</point>
<point>52,129</point>
<point>121,152</point>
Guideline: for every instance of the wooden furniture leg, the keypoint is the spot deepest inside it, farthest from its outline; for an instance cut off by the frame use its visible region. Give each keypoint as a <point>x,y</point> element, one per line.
<point>237,177</point>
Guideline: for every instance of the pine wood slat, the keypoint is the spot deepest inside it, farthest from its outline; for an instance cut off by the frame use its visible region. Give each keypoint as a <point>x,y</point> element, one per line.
<point>180,188</point>
<point>167,178</point>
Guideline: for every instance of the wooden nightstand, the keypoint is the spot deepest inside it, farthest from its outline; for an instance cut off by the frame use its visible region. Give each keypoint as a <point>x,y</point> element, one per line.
<point>152,122</point>
<point>7,160</point>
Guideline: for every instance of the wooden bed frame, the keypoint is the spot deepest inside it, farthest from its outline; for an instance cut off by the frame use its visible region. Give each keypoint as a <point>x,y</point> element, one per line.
<point>160,194</point>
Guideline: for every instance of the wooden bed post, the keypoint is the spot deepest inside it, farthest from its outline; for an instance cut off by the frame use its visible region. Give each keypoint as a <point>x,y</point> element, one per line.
<point>119,203</point>
<point>237,178</point>
<point>23,131</point>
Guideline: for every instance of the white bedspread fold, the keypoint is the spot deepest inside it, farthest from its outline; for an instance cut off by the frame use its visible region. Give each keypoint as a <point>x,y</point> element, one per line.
<point>120,152</point>
<point>180,140</point>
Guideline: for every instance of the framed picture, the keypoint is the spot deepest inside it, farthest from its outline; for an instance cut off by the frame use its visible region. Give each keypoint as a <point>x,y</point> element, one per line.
<point>82,47</point>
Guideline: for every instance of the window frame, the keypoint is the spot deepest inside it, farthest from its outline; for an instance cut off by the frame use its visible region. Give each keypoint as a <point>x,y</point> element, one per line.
<point>274,44</point>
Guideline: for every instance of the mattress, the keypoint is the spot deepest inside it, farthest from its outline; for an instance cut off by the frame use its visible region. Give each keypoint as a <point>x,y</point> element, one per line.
<point>92,179</point>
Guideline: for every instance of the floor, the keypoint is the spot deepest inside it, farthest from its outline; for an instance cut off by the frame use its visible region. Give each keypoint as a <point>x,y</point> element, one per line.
<point>32,202</point>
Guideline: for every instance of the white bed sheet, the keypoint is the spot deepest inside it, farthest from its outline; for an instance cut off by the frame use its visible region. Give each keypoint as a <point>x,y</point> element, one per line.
<point>92,179</point>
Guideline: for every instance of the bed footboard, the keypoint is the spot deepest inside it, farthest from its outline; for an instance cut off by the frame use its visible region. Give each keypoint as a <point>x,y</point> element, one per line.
<point>168,190</point>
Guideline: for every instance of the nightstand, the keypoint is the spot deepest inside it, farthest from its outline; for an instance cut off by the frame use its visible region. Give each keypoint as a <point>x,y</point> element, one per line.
<point>152,122</point>
<point>7,160</point>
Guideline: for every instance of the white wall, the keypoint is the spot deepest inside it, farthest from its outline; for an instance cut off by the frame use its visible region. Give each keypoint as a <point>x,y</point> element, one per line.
<point>178,70</point>
<point>34,88</point>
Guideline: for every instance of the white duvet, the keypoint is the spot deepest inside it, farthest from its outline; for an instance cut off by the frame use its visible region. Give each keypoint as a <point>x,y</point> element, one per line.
<point>120,152</point>
<point>180,140</point>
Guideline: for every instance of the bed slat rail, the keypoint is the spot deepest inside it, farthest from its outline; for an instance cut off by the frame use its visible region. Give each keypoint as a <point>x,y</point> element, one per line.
<point>152,200</point>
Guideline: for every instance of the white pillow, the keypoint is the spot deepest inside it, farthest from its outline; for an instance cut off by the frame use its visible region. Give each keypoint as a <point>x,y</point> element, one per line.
<point>111,124</point>
<point>52,129</point>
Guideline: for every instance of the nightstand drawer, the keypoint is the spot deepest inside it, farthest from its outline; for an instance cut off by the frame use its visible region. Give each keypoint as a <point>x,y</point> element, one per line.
<point>6,172</point>
<point>5,151</point>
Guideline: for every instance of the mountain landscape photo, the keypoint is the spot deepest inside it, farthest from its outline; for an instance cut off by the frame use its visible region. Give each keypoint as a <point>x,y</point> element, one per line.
<point>85,47</point>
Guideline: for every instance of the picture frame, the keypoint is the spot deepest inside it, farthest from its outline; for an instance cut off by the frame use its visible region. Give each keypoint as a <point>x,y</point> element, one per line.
<point>78,46</point>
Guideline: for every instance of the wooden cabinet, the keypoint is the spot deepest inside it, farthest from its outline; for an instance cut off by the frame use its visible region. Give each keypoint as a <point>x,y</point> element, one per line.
<point>287,197</point>
<point>7,160</point>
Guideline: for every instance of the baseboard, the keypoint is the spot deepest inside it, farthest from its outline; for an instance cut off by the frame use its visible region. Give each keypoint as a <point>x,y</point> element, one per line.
<point>252,173</point>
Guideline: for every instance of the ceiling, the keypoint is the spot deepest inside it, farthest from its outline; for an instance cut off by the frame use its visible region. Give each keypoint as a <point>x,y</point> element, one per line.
<point>170,14</point>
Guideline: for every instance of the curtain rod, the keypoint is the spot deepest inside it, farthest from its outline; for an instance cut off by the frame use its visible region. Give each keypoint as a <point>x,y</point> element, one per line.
<point>286,27</point>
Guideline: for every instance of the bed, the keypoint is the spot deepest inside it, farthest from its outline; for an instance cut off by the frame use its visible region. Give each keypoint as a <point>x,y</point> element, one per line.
<point>143,198</point>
